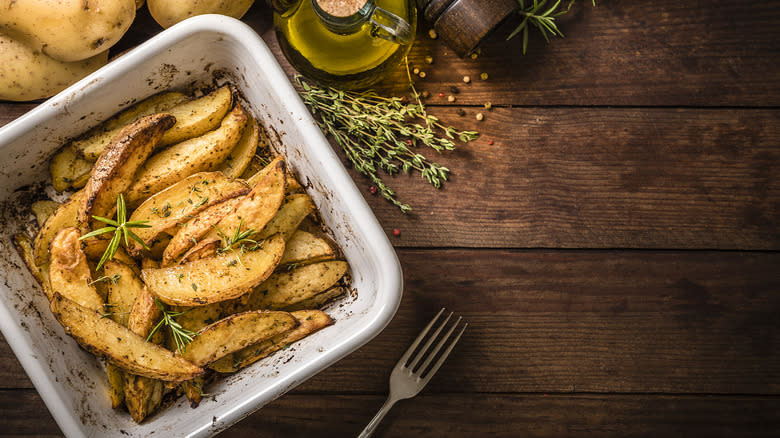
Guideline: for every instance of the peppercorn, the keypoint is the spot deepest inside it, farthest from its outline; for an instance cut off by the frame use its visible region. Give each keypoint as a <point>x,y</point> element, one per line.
<point>396,232</point>
<point>422,74</point>
<point>483,76</point>
<point>454,89</point>
<point>461,112</point>
<point>373,190</point>
<point>480,116</point>
<point>466,79</point>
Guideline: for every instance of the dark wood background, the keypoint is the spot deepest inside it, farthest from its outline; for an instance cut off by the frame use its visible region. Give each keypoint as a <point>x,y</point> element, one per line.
<point>614,250</point>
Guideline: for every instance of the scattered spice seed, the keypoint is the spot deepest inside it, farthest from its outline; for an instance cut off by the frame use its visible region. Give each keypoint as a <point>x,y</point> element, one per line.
<point>441,94</point>
<point>426,94</point>
<point>480,116</point>
<point>461,112</point>
<point>373,190</point>
<point>429,59</point>
<point>483,76</point>
<point>450,98</point>
<point>396,232</point>
<point>466,79</point>
<point>416,71</point>
<point>422,74</point>
<point>409,141</point>
<point>454,89</point>
<point>432,33</point>
<point>490,142</point>
<point>488,106</point>
<point>474,55</point>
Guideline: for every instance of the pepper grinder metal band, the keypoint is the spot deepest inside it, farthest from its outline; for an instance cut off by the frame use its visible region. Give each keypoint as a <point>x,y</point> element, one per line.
<point>464,24</point>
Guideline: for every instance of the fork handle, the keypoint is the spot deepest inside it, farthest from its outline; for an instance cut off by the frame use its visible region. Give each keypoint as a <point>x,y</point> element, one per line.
<point>372,425</point>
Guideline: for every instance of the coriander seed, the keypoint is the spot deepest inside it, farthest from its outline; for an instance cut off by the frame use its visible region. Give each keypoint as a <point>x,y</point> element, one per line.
<point>429,59</point>
<point>416,71</point>
<point>480,116</point>
<point>432,33</point>
<point>483,76</point>
<point>467,79</point>
<point>450,98</point>
<point>422,75</point>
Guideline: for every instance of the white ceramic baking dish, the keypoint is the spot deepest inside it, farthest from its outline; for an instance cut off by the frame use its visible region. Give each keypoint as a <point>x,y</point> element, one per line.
<point>72,382</point>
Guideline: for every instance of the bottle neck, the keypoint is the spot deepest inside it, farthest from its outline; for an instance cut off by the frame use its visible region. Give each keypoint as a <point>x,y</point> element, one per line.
<point>345,18</point>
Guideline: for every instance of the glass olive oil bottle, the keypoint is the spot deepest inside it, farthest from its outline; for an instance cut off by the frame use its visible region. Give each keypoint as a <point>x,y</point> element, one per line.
<point>346,43</point>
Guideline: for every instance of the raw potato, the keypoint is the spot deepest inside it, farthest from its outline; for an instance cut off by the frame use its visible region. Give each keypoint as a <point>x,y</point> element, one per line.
<point>27,74</point>
<point>43,209</point>
<point>214,279</point>
<point>69,272</point>
<point>242,154</point>
<point>286,288</point>
<point>318,300</point>
<point>169,12</point>
<point>181,201</point>
<point>196,228</point>
<point>104,337</point>
<point>114,170</point>
<point>67,30</point>
<point>304,248</point>
<point>181,160</point>
<point>236,332</point>
<point>309,321</point>
<point>91,144</point>
<point>40,273</point>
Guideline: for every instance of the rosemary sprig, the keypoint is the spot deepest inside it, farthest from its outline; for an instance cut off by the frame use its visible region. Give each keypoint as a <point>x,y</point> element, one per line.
<point>239,239</point>
<point>181,336</point>
<point>114,279</point>
<point>379,132</point>
<point>120,227</point>
<point>534,15</point>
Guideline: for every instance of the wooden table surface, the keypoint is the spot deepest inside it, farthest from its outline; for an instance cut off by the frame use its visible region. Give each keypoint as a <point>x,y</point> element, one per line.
<point>612,239</point>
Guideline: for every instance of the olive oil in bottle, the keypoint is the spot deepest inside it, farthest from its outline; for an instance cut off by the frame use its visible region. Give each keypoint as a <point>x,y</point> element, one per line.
<point>346,43</point>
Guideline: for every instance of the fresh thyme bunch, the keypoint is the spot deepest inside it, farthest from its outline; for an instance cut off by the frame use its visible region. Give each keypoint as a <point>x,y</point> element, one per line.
<point>384,133</point>
<point>534,14</point>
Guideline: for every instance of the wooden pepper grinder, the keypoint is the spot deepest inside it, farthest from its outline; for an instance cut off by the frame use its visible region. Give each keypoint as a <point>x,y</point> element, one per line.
<point>464,24</point>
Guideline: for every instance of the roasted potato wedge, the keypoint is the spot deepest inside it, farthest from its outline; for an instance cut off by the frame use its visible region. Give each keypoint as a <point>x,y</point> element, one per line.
<point>196,228</point>
<point>309,321</point>
<point>116,384</point>
<point>68,169</point>
<point>64,216</point>
<point>319,300</point>
<point>181,160</point>
<point>304,248</point>
<point>123,288</point>
<point>214,279</point>
<point>242,154</point>
<point>40,273</point>
<point>205,248</point>
<point>43,209</point>
<point>181,201</point>
<point>104,337</point>
<point>69,271</point>
<point>114,170</point>
<point>199,116</point>
<point>292,211</point>
<point>236,332</point>
<point>90,145</point>
<point>286,288</point>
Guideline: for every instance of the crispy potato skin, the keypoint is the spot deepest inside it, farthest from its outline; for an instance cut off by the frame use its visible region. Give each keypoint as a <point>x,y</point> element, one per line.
<point>236,332</point>
<point>305,247</point>
<point>286,288</point>
<point>242,154</point>
<point>69,271</point>
<point>114,170</point>
<point>64,216</point>
<point>214,279</point>
<point>24,247</point>
<point>291,213</point>
<point>105,338</point>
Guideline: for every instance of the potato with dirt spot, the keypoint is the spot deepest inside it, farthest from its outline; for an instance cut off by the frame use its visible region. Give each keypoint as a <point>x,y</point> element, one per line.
<point>169,12</point>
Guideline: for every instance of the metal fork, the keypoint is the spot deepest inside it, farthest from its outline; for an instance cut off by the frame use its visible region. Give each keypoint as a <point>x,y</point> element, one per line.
<point>407,379</point>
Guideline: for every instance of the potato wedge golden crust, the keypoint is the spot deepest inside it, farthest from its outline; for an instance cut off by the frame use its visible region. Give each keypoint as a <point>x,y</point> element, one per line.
<point>69,271</point>
<point>196,228</point>
<point>64,216</point>
<point>318,300</point>
<point>292,211</point>
<point>114,170</point>
<point>205,248</point>
<point>242,154</point>
<point>181,201</point>
<point>90,145</point>
<point>236,332</point>
<point>144,314</point>
<point>255,209</point>
<point>141,393</point>
<point>195,318</point>
<point>43,209</point>
<point>214,279</point>
<point>267,169</point>
<point>309,321</point>
<point>116,384</point>
<point>199,116</point>
<point>23,246</point>
<point>123,289</point>
<point>181,160</point>
<point>304,247</point>
<point>286,288</point>
<point>68,169</point>
<point>104,337</point>
<point>193,390</point>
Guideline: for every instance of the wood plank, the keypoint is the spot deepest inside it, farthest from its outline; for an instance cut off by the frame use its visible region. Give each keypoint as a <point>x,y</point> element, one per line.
<point>508,415</point>
<point>666,52</point>
<point>598,178</point>
<point>578,321</point>
<point>24,415</point>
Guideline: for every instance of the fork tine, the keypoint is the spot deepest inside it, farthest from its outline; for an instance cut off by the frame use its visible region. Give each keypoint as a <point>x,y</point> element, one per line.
<point>441,343</point>
<point>405,357</point>
<point>428,343</point>
<point>444,355</point>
